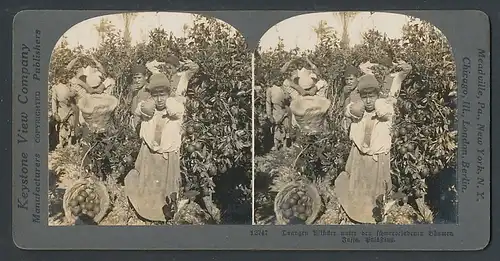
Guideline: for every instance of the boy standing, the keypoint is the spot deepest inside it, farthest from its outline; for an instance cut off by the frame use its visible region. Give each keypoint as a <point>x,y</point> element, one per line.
<point>157,168</point>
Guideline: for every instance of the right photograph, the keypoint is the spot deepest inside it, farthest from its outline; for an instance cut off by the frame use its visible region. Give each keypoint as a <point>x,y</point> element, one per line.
<point>354,121</point>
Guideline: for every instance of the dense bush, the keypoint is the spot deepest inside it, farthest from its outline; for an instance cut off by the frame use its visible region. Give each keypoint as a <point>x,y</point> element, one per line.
<point>424,140</point>
<point>216,150</point>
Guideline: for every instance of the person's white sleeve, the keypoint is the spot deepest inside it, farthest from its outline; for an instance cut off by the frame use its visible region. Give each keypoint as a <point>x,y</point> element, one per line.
<point>182,85</point>
<point>175,108</point>
<point>384,108</point>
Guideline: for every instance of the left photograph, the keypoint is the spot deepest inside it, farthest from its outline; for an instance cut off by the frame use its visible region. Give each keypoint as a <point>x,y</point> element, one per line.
<point>150,122</point>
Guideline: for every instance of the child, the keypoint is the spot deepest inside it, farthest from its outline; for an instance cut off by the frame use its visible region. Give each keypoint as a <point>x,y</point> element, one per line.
<point>63,107</point>
<point>157,169</point>
<point>179,72</point>
<point>367,172</point>
<point>137,92</point>
<point>350,92</point>
<point>278,114</point>
<point>303,82</point>
<point>62,111</point>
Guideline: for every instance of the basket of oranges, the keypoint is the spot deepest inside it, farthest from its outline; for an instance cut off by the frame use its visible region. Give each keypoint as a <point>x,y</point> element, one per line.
<point>88,197</point>
<point>297,200</point>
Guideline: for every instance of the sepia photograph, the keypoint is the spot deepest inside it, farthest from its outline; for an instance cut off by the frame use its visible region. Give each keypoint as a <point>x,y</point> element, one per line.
<point>150,118</point>
<point>355,121</point>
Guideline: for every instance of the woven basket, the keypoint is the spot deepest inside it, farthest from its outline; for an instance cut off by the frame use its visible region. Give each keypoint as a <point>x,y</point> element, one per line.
<point>97,110</point>
<point>98,187</point>
<point>284,195</point>
<point>310,112</point>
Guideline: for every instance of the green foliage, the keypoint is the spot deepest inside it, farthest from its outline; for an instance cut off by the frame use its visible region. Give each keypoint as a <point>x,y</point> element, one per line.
<point>216,150</point>
<point>424,110</point>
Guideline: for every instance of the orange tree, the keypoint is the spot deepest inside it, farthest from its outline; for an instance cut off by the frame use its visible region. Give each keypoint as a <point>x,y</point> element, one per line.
<point>424,141</point>
<point>216,147</point>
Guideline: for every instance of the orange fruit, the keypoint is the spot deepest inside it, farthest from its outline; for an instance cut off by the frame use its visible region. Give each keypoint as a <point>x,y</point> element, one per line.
<point>212,170</point>
<point>302,216</point>
<point>91,214</point>
<point>128,159</point>
<point>288,213</point>
<point>357,109</point>
<point>76,210</point>
<point>198,146</point>
<point>191,149</point>
<point>190,130</point>
<point>83,193</point>
<point>424,172</point>
<point>80,199</point>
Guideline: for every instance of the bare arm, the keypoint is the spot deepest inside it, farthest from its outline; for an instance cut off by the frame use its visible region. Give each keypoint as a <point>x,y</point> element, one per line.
<point>99,66</point>
<point>314,68</point>
<point>406,69</point>
<point>312,91</point>
<point>398,80</point>
<point>84,85</point>
<point>72,63</point>
<point>297,87</point>
<point>192,68</point>
<point>286,65</point>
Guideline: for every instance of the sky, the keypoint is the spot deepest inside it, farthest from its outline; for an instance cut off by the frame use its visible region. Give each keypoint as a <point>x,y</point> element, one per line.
<point>85,34</point>
<point>298,31</point>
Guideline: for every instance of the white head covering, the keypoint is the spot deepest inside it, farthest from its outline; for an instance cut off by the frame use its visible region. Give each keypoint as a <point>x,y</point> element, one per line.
<point>94,80</point>
<point>89,70</point>
<point>305,79</point>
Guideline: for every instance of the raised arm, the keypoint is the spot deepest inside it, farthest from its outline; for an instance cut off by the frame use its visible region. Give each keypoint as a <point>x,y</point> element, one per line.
<point>314,68</point>
<point>192,68</point>
<point>398,80</point>
<point>99,66</point>
<point>185,77</point>
<point>285,66</point>
<point>71,64</point>
<point>366,67</point>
